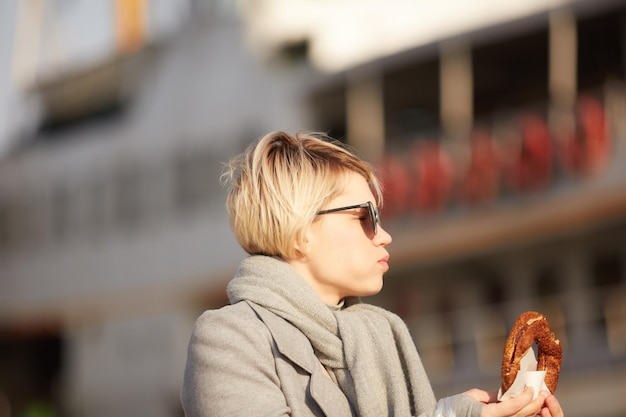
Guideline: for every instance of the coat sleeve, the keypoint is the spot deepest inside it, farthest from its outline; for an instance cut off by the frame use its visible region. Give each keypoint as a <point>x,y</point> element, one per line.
<point>230,369</point>
<point>459,405</point>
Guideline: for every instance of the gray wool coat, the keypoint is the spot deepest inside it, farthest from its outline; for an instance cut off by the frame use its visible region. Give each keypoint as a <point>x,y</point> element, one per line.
<point>244,348</point>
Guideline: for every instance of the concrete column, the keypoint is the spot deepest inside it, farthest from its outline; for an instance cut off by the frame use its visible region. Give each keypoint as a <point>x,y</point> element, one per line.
<point>580,312</point>
<point>365,114</point>
<point>457,92</point>
<point>615,312</point>
<point>562,66</point>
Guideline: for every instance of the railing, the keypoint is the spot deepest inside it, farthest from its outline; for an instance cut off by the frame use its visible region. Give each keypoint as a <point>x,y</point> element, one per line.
<point>527,154</point>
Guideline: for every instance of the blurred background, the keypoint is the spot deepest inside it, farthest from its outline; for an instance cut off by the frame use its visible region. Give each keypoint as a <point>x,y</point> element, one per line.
<point>498,128</point>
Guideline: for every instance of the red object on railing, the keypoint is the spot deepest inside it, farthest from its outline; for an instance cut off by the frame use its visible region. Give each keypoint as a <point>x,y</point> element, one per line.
<point>396,183</point>
<point>530,165</point>
<point>433,177</point>
<point>585,148</point>
<point>481,180</point>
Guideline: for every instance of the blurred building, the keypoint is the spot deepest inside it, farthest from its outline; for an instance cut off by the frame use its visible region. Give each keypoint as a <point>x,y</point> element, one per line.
<point>498,130</point>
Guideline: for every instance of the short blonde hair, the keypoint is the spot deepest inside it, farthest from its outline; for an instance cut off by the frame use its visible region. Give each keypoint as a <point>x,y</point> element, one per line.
<point>280,182</point>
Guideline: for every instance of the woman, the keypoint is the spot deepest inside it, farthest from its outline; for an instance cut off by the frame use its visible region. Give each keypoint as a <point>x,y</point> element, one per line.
<point>296,340</point>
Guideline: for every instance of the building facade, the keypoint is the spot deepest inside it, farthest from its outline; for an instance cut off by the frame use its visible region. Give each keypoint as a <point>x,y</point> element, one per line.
<point>501,144</point>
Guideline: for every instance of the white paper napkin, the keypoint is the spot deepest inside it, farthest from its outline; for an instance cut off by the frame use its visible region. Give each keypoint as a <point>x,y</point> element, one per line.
<point>528,376</point>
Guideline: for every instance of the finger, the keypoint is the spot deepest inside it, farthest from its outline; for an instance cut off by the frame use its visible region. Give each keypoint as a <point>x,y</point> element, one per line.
<point>517,403</point>
<point>553,405</point>
<point>536,406</point>
<point>481,396</point>
<point>493,396</point>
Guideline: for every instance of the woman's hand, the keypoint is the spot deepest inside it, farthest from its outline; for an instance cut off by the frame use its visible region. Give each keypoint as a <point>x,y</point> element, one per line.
<point>545,405</point>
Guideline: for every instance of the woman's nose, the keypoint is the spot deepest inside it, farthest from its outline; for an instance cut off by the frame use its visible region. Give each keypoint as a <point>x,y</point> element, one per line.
<point>382,237</point>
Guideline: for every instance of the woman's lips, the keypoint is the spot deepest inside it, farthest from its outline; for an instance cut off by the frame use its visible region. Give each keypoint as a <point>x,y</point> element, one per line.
<point>384,261</point>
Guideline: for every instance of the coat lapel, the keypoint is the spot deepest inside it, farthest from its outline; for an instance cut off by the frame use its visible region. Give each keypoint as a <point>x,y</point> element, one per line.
<point>294,345</point>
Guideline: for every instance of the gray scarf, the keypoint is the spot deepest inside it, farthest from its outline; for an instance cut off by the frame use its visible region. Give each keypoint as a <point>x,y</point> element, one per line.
<point>368,349</point>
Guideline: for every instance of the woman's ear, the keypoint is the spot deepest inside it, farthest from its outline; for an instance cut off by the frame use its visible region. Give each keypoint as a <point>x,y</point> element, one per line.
<point>301,244</point>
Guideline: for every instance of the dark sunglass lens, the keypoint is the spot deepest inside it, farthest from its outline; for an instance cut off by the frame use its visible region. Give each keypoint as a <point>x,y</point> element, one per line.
<point>373,216</point>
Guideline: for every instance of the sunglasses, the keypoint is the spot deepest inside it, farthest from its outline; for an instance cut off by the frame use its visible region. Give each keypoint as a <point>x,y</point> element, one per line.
<point>374,214</point>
